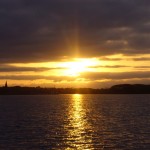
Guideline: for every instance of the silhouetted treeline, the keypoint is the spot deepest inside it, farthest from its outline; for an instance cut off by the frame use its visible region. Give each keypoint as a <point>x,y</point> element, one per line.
<point>116,89</point>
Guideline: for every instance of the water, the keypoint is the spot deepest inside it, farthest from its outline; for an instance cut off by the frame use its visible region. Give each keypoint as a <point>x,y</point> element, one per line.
<point>63,122</point>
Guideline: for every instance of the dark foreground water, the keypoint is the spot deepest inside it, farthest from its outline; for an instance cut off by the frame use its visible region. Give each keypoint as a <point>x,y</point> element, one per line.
<point>63,122</point>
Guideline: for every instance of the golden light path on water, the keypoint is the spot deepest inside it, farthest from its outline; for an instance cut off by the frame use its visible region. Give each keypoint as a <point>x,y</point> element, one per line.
<point>79,136</point>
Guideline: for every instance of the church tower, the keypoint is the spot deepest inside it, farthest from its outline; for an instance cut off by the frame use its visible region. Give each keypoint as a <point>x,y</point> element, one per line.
<point>6,85</point>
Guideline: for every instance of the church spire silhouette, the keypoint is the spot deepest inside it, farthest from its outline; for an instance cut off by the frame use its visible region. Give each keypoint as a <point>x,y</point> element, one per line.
<point>6,85</point>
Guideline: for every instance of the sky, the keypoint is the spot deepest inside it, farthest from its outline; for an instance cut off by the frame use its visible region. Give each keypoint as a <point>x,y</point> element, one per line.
<point>74,43</point>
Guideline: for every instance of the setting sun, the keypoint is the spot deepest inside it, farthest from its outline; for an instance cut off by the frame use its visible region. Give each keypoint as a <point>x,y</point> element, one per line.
<point>78,66</point>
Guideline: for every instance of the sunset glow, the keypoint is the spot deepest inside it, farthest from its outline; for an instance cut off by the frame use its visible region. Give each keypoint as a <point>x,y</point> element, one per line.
<point>85,43</point>
<point>78,66</point>
<point>78,72</point>
<point>71,74</point>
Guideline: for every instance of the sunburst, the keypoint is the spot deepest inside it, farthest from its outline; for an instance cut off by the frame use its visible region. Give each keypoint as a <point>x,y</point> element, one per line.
<point>78,66</point>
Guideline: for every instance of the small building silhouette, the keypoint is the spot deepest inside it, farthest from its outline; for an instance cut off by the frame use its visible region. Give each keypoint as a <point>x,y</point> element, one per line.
<point>6,85</point>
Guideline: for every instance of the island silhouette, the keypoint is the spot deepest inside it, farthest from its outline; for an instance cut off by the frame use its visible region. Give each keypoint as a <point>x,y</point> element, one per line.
<point>116,89</point>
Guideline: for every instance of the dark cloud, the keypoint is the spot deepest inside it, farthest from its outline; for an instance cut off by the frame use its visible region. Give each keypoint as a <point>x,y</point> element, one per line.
<point>91,76</point>
<point>108,66</point>
<point>116,75</point>
<point>143,67</point>
<point>35,30</point>
<point>110,59</point>
<point>8,68</point>
<point>142,59</point>
<point>21,69</point>
<point>38,77</point>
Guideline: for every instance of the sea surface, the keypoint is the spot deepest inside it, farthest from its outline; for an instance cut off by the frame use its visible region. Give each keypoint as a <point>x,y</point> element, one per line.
<point>75,122</point>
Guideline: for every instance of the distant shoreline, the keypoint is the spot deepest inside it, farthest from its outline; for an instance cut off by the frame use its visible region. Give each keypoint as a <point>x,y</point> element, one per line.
<point>116,89</point>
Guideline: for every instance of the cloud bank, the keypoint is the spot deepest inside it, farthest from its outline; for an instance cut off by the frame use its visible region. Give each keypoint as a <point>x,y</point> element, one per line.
<point>47,30</point>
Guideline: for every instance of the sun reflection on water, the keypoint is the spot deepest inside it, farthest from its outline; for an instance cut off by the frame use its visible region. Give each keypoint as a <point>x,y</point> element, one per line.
<point>79,136</point>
